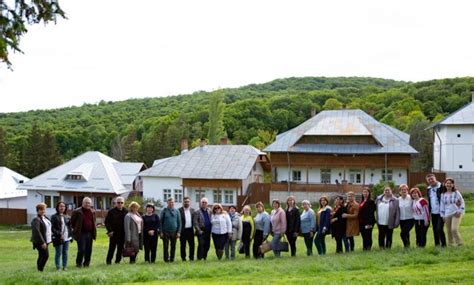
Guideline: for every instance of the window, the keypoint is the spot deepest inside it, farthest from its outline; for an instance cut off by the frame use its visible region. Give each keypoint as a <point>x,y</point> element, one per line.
<point>325,175</point>
<point>51,201</point>
<point>199,194</point>
<point>459,135</point>
<point>178,195</point>
<point>389,174</point>
<point>217,196</point>
<point>460,165</point>
<point>229,197</point>
<point>355,176</point>
<point>74,177</point>
<point>47,201</point>
<point>166,194</point>
<point>99,202</point>
<point>296,175</point>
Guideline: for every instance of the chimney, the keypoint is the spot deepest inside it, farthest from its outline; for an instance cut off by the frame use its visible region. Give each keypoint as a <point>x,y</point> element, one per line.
<point>184,145</point>
<point>223,141</point>
<point>472,93</point>
<point>313,112</point>
<point>202,143</point>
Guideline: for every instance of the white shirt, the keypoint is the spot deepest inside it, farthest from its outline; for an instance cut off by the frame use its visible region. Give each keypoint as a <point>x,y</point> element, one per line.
<point>449,205</point>
<point>434,202</point>
<point>221,224</point>
<point>405,205</point>
<point>383,212</point>
<point>64,230</point>
<point>48,230</point>
<point>187,219</point>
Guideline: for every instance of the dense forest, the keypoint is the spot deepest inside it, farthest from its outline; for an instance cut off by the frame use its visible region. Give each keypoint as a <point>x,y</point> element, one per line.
<point>151,128</point>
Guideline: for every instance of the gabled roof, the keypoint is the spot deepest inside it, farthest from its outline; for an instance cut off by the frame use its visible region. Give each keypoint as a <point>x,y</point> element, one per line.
<point>9,181</point>
<point>208,162</point>
<point>343,123</point>
<point>104,175</point>
<point>463,116</point>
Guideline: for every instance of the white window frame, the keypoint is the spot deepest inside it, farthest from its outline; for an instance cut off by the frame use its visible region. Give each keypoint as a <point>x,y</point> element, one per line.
<point>229,197</point>
<point>219,196</point>
<point>325,172</point>
<point>167,193</point>
<point>178,195</point>
<point>389,175</point>
<point>296,175</point>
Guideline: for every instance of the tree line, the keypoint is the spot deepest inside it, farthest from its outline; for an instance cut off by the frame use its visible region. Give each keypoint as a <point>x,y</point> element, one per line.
<point>152,128</point>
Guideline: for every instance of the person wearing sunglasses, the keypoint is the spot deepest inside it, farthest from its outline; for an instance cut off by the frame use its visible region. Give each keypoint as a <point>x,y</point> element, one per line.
<point>114,223</point>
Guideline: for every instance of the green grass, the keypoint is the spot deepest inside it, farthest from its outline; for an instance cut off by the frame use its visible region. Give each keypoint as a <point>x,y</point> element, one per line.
<point>396,266</point>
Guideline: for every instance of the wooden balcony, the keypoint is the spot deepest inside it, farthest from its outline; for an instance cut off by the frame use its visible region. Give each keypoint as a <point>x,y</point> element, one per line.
<point>304,187</point>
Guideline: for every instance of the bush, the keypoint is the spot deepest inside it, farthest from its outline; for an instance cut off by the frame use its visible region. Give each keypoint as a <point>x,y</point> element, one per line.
<point>378,188</point>
<point>422,187</point>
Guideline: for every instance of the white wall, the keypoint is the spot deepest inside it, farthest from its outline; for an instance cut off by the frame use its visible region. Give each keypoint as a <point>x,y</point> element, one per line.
<point>13,203</point>
<point>153,187</point>
<point>35,197</point>
<point>455,151</point>
<point>209,194</point>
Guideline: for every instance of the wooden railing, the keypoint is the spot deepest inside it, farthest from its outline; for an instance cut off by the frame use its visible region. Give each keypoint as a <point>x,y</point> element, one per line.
<point>303,187</point>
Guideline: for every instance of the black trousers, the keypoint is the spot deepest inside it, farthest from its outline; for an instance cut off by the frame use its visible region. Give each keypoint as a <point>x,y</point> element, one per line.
<point>43,255</point>
<point>150,243</point>
<point>257,242</point>
<point>351,242</point>
<point>405,228</point>
<point>169,246</point>
<point>84,250</point>
<point>366,237</point>
<point>292,242</point>
<point>420,230</point>
<point>438,230</point>
<point>338,244</point>
<point>385,237</point>
<point>187,236</point>
<point>308,241</point>
<point>204,243</point>
<point>246,234</point>
<point>115,242</point>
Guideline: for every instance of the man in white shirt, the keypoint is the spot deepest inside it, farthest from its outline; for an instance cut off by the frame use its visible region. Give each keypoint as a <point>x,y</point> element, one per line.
<point>187,233</point>
<point>434,197</point>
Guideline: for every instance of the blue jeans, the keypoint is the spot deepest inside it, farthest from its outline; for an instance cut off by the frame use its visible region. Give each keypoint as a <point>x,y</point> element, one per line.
<point>63,250</point>
<point>275,244</point>
<point>320,242</point>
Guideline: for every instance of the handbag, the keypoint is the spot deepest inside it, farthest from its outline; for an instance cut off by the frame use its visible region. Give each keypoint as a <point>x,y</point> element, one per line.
<point>128,252</point>
<point>241,247</point>
<point>265,247</point>
<point>283,245</point>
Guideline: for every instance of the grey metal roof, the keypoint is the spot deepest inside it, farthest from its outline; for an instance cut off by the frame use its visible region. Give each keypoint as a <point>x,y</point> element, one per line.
<point>208,162</point>
<point>128,171</point>
<point>463,116</point>
<point>343,123</point>
<point>104,175</point>
<point>9,181</point>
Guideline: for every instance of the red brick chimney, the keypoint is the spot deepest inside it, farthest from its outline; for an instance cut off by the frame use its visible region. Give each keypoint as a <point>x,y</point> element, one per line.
<point>184,145</point>
<point>224,141</point>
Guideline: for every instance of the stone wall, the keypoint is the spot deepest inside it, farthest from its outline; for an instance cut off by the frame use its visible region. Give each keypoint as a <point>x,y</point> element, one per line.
<point>464,181</point>
<point>312,197</point>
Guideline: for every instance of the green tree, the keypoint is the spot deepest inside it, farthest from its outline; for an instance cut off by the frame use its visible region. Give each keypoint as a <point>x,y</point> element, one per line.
<point>332,104</point>
<point>4,152</point>
<point>49,154</point>
<point>216,117</point>
<point>16,15</point>
<point>263,139</point>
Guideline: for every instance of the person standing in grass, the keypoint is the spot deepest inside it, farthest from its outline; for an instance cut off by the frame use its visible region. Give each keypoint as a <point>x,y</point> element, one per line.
<point>434,198</point>
<point>133,225</point>
<point>278,224</point>
<point>451,210</point>
<point>221,229</point>
<point>339,224</point>
<point>202,227</point>
<point>41,235</point>
<point>170,230</point>
<point>388,217</point>
<point>236,233</point>
<point>151,231</point>
<point>262,229</point>
<point>293,223</point>
<point>248,229</point>
<point>406,215</point>
<point>308,224</point>
<point>352,227</point>
<point>323,224</point>
<point>83,225</point>
<point>366,218</point>
<point>421,214</point>
<point>187,232</point>
<point>114,223</point>
<point>61,228</point>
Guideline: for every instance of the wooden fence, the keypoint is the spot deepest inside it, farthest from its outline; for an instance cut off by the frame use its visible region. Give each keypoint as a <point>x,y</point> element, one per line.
<point>13,216</point>
<point>416,178</point>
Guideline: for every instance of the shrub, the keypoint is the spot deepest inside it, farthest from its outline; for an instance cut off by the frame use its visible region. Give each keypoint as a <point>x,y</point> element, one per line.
<point>378,188</point>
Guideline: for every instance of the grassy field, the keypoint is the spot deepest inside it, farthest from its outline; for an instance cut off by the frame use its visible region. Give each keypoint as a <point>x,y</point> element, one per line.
<point>396,266</point>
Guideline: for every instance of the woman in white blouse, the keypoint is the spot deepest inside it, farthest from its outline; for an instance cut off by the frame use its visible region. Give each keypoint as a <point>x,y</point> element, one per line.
<point>221,229</point>
<point>421,214</point>
<point>451,210</point>
<point>41,235</point>
<point>406,214</point>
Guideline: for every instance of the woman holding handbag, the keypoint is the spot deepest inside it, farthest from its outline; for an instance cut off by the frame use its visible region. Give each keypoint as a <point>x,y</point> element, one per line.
<point>133,225</point>
<point>278,222</point>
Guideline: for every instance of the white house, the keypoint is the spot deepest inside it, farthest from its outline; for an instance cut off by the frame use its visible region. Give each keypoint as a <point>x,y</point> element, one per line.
<point>336,151</point>
<point>90,174</point>
<point>222,173</point>
<point>453,147</point>
<point>10,196</point>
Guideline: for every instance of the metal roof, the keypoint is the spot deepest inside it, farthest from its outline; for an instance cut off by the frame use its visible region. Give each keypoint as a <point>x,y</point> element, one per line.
<point>9,181</point>
<point>463,116</point>
<point>208,162</point>
<point>345,123</point>
<point>104,175</point>
<point>128,171</point>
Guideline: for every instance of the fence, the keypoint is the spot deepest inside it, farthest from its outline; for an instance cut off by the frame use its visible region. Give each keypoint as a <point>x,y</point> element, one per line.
<point>13,216</point>
<point>416,178</point>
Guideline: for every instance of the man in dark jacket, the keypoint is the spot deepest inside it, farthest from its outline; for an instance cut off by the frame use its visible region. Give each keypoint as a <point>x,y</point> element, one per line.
<point>434,196</point>
<point>170,230</point>
<point>202,226</point>
<point>114,224</point>
<point>187,233</point>
<point>84,231</point>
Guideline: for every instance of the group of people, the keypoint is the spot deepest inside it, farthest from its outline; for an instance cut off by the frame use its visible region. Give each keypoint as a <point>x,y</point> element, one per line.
<point>129,231</point>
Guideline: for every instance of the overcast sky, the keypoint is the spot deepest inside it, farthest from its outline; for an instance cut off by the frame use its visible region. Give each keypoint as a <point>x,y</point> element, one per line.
<point>116,49</point>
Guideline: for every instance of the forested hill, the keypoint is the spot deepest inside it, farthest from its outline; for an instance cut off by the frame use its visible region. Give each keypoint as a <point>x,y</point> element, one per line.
<point>151,128</point>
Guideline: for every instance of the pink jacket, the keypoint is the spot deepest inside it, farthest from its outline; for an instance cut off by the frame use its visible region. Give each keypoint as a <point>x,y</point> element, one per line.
<point>278,218</point>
